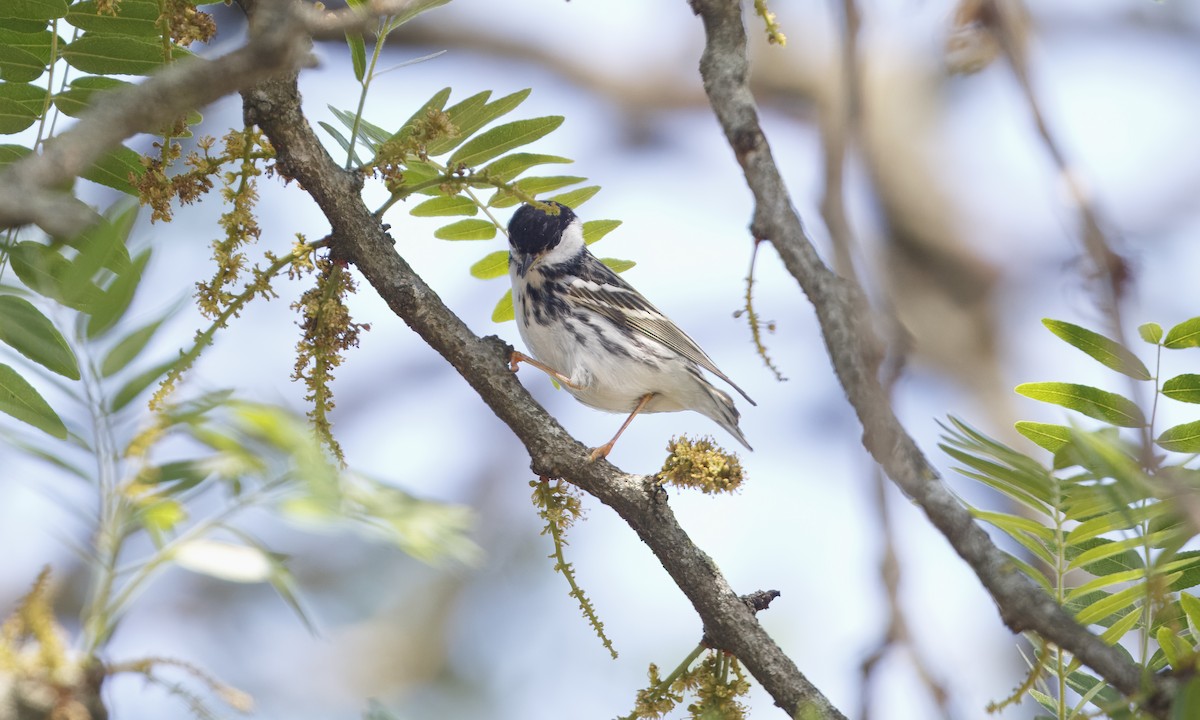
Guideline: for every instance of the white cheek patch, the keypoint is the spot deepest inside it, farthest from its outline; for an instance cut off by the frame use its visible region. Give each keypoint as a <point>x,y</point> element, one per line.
<point>567,248</point>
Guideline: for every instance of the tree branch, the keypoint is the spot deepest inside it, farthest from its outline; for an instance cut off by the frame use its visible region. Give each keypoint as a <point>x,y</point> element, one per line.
<point>358,238</point>
<point>841,312</point>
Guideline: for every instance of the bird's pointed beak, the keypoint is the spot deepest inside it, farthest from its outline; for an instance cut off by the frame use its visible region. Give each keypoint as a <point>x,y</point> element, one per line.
<point>523,261</point>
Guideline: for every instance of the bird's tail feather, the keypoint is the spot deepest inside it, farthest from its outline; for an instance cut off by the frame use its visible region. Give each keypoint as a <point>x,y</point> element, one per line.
<point>723,412</point>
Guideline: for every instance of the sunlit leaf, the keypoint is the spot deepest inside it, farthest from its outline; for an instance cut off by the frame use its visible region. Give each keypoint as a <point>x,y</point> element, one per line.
<point>1184,388</point>
<point>532,186</point>
<point>619,266</point>
<point>1185,334</point>
<point>493,265</point>
<point>574,198</point>
<point>25,329</point>
<point>501,139</point>
<point>467,230</point>
<point>472,114</point>
<point>358,55</point>
<point>1093,402</point>
<point>508,167</point>
<point>1183,438</point>
<point>504,309</point>
<point>594,230</point>
<point>1101,556</point>
<point>1104,350</point>
<point>437,102</point>
<point>445,206</point>
<point>19,399</point>
<point>1046,435</point>
<point>1151,332</point>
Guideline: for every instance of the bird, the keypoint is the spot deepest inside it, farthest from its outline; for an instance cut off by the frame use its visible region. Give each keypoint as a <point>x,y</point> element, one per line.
<point>596,335</point>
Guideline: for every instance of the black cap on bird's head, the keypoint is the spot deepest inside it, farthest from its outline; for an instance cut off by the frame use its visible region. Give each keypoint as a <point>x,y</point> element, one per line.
<point>532,231</point>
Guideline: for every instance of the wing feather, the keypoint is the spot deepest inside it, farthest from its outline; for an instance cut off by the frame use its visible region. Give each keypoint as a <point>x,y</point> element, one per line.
<point>602,291</point>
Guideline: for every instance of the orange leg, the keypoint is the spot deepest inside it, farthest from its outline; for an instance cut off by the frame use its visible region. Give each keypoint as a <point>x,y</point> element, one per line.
<point>519,357</point>
<point>607,447</point>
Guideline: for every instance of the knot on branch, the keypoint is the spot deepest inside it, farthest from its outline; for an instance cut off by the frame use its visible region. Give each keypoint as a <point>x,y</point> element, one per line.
<point>757,601</point>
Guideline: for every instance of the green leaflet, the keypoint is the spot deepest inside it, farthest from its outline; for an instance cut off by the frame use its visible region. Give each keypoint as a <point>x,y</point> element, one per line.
<point>1183,438</point>
<point>467,230</point>
<point>618,265</point>
<point>1093,402</point>
<point>1185,334</point>
<point>1108,352</point>
<point>493,265</point>
<point>501,139</point>
<point>33,9</point>
<point>1184,388</point>
<point>574,198</point>
<point>128,348</point>
<point>443,206</point>
<point>25,329</point>
<point>103,54</point>
<point>19,399</point>
<point>503,311</point>
<point>1151,332</point>
<point>593,230</point>
<point>113,170</point>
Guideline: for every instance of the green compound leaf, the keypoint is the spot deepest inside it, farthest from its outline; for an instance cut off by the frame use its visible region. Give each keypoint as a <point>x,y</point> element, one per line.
<point>467,230</point>
<point>575,198</point>
<point>19,399</point>
<point>25,329</point>
<point>445,205</point>
<point>1045,435</point>
<point>1185,334</point>
<point>508,167</point>
<point>618,265</point>
<point>1151,332</point>
<point>493,265</point>
<point>593,230</point>
<point>1104,350</point>
<point>1184,388</point>
<point>501,139</point>
<point>1181,438</point>
<point>1093,402</point>
<point>504,309</point>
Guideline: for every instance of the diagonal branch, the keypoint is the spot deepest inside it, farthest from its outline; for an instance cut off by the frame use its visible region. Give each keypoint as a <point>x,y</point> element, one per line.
<point>841,311</point>
<point>357,237</point>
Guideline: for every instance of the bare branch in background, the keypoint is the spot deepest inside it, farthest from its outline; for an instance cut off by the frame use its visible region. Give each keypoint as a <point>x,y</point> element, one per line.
<point>842,313</point>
